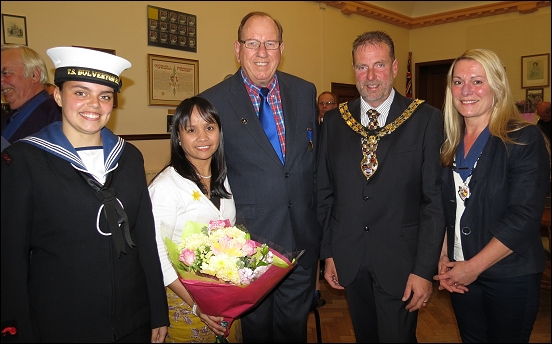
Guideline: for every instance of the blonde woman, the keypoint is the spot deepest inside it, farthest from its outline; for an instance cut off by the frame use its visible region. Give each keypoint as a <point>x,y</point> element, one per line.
<point>496,169</point>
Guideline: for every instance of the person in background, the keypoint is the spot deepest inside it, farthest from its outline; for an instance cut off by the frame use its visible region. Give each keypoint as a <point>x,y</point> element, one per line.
<point>544,123</point>
<point>272,181</point>
<point>378,183</point>
<point>326,101</point>
<point>197,167</point>
<point>496,169</point>
<point>79,254</point>
<point>24,76</point>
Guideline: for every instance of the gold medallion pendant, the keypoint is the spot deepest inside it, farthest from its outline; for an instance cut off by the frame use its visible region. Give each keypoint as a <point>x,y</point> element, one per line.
<point>463,191</point>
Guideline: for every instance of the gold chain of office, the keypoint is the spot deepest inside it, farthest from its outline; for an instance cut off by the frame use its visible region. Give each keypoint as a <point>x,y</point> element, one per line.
<point>386,130</point>
<point>369,162</point>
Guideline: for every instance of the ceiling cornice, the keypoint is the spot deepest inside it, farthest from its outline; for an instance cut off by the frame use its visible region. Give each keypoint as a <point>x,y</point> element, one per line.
<point>365,9</point>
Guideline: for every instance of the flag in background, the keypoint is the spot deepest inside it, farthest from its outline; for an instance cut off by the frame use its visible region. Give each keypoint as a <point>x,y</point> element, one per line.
<point>409,77</point>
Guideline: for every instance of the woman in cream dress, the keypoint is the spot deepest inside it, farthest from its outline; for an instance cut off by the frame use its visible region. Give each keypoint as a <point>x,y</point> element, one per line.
<point>193,186</point>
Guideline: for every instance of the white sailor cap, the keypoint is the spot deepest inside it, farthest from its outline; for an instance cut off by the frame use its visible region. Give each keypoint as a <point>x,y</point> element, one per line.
<point>88,65</point>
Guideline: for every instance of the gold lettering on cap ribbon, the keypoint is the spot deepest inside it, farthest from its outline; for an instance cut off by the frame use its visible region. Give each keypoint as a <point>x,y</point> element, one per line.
<point>94,75</point>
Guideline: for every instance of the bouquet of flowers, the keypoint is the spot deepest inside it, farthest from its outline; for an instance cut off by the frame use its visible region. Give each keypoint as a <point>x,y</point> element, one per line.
<point>225,271</point>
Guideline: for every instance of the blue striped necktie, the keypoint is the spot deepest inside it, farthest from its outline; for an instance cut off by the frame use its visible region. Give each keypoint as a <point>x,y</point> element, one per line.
<point>266,116</point>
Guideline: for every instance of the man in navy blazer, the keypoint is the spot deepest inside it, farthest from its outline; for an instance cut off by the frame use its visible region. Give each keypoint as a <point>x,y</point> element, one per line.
<point>383,230</point>
<point>275,200</point>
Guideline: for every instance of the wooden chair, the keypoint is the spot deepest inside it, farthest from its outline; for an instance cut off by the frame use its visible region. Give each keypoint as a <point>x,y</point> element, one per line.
<point>314,309</point>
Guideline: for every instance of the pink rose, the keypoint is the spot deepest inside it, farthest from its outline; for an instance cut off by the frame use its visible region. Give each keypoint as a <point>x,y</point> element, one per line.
<point>187,257</point>
<point>249,248</point>
<point>215,224</point>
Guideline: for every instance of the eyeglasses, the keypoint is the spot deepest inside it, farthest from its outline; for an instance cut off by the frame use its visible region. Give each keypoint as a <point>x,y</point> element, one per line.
<point>254,44</point>
<point>326,103</point>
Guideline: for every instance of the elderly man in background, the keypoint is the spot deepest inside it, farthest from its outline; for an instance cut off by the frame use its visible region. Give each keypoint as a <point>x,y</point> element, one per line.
<point>24,76</point>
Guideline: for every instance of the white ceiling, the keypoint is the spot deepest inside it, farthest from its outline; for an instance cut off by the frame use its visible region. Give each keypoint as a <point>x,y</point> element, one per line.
<point>415,9</point>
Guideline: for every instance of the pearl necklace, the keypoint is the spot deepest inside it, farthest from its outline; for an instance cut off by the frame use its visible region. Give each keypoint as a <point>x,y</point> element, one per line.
<point>204,177</point>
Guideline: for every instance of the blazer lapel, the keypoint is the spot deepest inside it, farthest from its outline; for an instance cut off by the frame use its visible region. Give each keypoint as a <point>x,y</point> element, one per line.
<point>484,163</point>
<point>245,114</point>
<point>482,169</point>
<point>448,182</point>
<point>354,141</point>
<point>290,122</point>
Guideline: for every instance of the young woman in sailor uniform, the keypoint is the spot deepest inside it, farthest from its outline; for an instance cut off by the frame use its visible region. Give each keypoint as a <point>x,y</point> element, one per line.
<point>79,255</point>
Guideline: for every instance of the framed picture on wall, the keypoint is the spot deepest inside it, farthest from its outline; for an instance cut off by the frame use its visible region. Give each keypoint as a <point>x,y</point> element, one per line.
<point>15,29</point>
<point>171,79</point>
<point>535,71</point>
<point>172,29</point>
<point>533,97</point>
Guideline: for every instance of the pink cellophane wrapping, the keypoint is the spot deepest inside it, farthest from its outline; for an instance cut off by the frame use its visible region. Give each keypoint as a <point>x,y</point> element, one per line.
<point>228,300</point>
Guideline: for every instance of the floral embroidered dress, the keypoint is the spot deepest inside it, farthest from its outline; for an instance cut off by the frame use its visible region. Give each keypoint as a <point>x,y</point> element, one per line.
<point>175,200</point>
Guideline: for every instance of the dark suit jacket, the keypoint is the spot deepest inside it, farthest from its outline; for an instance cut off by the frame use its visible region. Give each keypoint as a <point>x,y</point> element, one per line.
<point>396,217</point>
<point>508,190</point>
<point>46,113</point>
<point>274,201</point>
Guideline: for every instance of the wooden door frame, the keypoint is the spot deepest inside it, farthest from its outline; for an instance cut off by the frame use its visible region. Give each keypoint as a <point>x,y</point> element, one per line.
<point>421,76</point>
<point>344,92</point>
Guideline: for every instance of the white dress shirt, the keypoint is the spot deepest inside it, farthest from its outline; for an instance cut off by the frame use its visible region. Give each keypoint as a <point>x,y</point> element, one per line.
<point>175,200</point>
<point>383,110</point>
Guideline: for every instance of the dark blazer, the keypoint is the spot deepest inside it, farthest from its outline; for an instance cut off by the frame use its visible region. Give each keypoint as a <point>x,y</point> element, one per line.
<point>508,189</point>
<point>396,217</point>
<point>274,201</point>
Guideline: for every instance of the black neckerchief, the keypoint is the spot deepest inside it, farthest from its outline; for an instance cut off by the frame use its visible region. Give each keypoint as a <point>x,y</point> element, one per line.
<point>116,216</point>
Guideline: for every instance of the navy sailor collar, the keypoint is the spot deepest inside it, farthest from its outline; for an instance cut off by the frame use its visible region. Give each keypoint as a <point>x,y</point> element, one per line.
<point>52,139</point>
<point>465,165</point>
